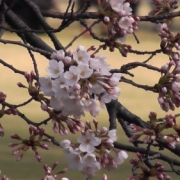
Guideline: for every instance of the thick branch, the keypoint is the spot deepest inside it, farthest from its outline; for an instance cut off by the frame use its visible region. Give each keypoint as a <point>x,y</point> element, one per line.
<point>31,38</point>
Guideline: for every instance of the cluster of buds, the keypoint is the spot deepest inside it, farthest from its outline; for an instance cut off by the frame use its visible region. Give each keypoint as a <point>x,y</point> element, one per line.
<point>8,111</point>
<point>35,140</point>
<point>93,150</point>
<point>155,131</point>
<point>168,85</point>
<point>77,80</point>
<point>155,171</point>
<point>162,7</point>
<point>4,110</point>
<point>33,86</point>
<point>49,175</point>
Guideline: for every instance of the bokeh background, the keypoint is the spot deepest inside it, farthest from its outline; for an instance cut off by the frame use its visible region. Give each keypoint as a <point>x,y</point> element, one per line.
<point>136,100</point>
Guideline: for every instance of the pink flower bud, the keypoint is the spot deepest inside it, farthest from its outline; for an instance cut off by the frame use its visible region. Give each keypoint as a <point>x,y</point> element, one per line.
<point>2,97</point>
<point>164,89</point>
<point>106,19</point>
<point>32,75</point>
<point>21,85</point>
<point>19,157</point>
<point>1,131</point>
<point>15,136</point>
<point>77,86</point>
<point>104,177</point>
<point>54,165</point>
<point>16,151</point>
<point>38,157</point>
<point>67,60</point>
<point>139,155</point>
<point>44,107</point>
<point>103,130</point>
<point>44,146</point>
<point>12,144</point>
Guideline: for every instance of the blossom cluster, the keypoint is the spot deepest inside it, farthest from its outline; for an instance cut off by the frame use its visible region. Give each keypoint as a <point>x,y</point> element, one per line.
<point>168,85</point>
<point>93,151</point>
<point>77,81</point>
<point>156,131</point>
<point>120,20</point>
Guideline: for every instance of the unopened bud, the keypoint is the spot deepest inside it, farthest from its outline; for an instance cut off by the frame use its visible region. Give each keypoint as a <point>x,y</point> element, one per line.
<point>104,177</point>
<point>2,97</point>
<point>106,19</point>
<point>21,85</point>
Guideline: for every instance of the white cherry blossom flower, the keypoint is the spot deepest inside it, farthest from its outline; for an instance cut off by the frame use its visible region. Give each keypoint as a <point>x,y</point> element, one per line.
<point>73,107</point>
<point>120,157</point>
<point>96,89</point>
<point>81,56</point>
<point>58,83</point>
<point>125,9</point>
<point>90,171</point>
<point>89,159</point>
<point>105,98</point>
<point>55,68</point>
<point>62,92</point>
<point>75,161</point>
<point>94,63</point>
<point>46,86</point>
<point>125,22</point>
<point>87,142</point>
<point>116,5</point>
<point>56,104</point>
<point>114,92</point>
<point>112,134</point>
<point>91,106</point>
<point>91,165</point>
<point>105,68</point>
<point>84,71</point>
<point>72,76</point>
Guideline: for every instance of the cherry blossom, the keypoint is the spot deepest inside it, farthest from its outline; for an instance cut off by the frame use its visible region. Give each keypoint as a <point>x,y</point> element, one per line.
<point>84,71</point>
<point>112,134</point>
<point>120,157</point>
<point>72,76</point>
<point>55,68</point>
<point>116,5</point>
<point>88,142</point>
<point>75,160</point>
<point>81,56</point>
<point>46,86</point>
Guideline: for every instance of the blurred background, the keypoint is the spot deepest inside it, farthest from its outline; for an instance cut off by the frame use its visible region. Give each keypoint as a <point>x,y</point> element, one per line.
<point>136,100</point>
